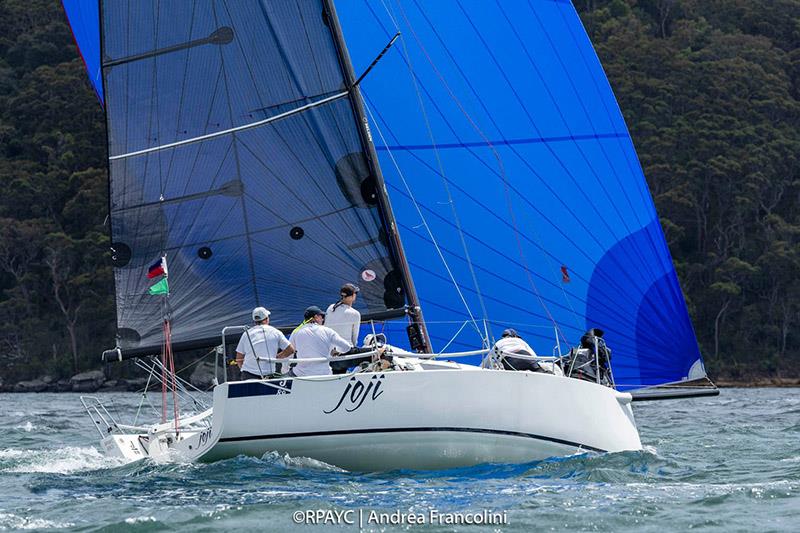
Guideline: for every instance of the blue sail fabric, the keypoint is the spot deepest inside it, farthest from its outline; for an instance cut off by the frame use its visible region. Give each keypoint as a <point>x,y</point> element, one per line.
<point>496,118</point>
<point>84,19</point>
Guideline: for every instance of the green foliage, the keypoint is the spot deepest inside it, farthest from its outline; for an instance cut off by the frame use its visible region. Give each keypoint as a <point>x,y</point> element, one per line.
<point>56,287</point>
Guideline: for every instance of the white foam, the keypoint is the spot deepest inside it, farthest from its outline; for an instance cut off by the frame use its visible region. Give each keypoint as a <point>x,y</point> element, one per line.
<point>58,461</point>
<point>139,519</point>
<point>27,427</point>
<point>288,461</point>
<point>12,521</point>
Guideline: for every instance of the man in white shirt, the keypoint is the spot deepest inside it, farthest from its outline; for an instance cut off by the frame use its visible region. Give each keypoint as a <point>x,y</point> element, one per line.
<point>259,343</point>
<point>313,340</point>
<point>342,318</point>
<point>511,343</point>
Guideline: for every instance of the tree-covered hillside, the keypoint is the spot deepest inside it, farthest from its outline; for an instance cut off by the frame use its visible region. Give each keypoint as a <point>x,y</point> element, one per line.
<point>709,89</point>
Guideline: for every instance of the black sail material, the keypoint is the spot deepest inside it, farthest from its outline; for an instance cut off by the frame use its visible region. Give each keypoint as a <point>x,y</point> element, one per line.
<point>234,151</point>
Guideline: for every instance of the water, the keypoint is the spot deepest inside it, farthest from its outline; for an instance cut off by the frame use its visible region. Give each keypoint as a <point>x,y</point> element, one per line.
<point>730,463</point>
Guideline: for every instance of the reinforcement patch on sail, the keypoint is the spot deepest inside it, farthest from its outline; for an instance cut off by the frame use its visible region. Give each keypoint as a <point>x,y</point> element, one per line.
<point>495,121</point>
<point>234,151</point>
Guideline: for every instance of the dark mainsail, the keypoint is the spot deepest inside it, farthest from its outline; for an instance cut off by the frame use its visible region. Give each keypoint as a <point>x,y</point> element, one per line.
<point>235,150</point>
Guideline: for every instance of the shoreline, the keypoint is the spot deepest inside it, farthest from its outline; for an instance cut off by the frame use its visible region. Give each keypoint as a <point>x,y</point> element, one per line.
<point>776,383</point>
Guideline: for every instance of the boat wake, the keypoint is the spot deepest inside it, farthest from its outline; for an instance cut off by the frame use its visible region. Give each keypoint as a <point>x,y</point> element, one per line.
<point>66,460</point>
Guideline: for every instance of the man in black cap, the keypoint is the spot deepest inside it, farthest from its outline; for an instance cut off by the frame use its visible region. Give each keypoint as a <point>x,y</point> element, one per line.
<point>511,343</point>
<point>342,318</point>
<point>313,340</point>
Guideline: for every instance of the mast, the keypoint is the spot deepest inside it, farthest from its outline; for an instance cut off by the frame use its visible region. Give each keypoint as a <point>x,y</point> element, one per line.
<point>384,205</point>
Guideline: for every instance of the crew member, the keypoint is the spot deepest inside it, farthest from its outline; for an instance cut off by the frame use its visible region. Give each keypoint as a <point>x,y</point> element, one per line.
<point>342,318</point>
<point>511,343</point>
<point>259,343</point>
<point>313,340</point>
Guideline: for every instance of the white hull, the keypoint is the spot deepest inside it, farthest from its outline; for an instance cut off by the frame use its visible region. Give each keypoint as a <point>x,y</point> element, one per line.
<point>426,419</point>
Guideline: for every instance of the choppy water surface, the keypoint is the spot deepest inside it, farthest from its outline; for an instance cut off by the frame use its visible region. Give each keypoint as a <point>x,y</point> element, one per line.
<point>729,463</point>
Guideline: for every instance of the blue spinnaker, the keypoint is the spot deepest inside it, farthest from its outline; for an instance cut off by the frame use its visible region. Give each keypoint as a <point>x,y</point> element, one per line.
<point>84,19</point>
<point>500,120</point>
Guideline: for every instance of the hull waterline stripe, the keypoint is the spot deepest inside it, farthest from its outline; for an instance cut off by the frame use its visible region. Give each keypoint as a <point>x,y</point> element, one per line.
<point>412,430</point>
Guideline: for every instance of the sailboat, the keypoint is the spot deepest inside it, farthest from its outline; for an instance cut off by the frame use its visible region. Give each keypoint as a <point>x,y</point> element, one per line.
<point>464,162</point>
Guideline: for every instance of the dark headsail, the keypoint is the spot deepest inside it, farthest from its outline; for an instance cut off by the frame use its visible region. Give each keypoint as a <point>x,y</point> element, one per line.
<point>236,150</point>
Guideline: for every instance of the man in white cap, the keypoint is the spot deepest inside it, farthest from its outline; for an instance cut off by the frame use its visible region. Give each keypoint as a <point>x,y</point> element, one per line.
<point>259,343</point>
<point>342,318</point>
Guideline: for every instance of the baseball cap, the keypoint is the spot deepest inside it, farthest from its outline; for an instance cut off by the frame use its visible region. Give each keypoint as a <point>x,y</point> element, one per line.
<point>313,311</point>
<point>260,313</point>
<point>510,333</point>
<point>348,289</point>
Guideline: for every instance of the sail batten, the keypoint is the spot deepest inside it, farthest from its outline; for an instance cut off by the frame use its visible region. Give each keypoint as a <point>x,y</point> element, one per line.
<point>231,131</point>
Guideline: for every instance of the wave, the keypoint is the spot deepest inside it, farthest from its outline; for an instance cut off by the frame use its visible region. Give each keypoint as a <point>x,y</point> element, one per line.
<point>16,522</point>
<point>55,461</point>
<point>298,463</point>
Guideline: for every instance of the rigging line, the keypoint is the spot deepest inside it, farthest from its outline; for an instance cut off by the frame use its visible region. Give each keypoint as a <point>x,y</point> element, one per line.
<point>610,310</point>
<point>229,131</point>
<point>436,33</point>
<point>522,159</point>
<point>183,89</point>
<point>440,165</point>
<point>611,281</point>
<point>159,166</point>
<point>487,141</point>
<point>536,235</point>
<point>501,167</point>
<point>424,222</point>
